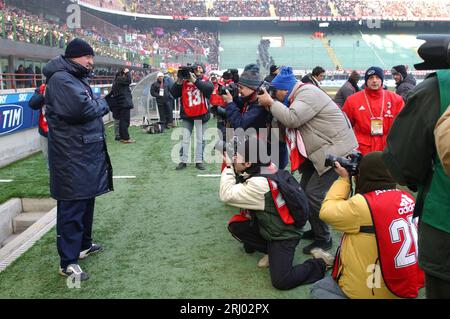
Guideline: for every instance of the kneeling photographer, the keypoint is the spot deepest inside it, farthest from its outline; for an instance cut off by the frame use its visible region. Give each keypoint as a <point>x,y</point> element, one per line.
<point>371,261</point>
<point>267,223</point>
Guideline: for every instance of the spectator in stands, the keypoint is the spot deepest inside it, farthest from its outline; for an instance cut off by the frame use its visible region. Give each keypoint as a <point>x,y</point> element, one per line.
<point>20,77</point>
<point>273,73</point>
<point>121,103</point>
<point>404,82</point>
<point>30,76</point>
<point>160,89</point>
<point>411,159</point>
<point>318,129</point>
<point>365,219</point>
<point>349,88</point>
<point>372,111</point>
<point>194,111</point>
<point>260,225</point>
<point>317,76</point>
<point>38,72</point>
<point>80,168</point>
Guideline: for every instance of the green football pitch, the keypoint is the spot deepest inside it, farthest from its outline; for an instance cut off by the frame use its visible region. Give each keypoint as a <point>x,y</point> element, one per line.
<point>164,234</point>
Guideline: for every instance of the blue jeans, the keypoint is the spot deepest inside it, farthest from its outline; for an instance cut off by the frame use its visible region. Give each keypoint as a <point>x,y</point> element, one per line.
<point>200,129</point>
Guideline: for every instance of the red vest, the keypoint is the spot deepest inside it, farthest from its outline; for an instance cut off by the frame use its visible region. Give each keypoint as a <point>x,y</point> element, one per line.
<point>194,103</point>
<point>280,204</point>
<point>215,98</point>
<point>396,235</point>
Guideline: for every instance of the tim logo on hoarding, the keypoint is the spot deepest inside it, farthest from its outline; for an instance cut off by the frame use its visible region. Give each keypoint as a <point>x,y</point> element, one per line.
<point>11,118</point>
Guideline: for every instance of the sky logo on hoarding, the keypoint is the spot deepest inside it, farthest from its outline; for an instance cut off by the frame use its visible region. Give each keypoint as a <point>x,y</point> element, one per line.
<point>11,118</point>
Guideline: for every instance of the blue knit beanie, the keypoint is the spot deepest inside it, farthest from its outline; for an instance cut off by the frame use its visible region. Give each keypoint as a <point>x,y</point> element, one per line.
<point>285,80</point>
<point>373,70</point>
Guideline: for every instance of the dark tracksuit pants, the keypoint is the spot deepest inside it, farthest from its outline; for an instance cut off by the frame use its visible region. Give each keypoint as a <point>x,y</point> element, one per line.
<point>74,229</point>
<point>316,187</point>
<point>281,256</point>
<point>123,115</point>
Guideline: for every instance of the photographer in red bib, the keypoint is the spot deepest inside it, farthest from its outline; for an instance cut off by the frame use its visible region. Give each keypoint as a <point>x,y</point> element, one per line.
<point>378,254</point>
<point>194,89</point>
<point>372,112</point>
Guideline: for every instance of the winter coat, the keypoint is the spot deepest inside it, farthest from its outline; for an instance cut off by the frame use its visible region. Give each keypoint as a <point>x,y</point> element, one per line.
<point>121,86</point>
<point>79,163</point>
<point>254,115</point>
<point>154,91</point>
<point>359,115</point>
<point>206,88</point>
<point>323,126</point>
<point>344,92</point>
<point>254,195</point>
<point>310,79</point>
<point>404,87</point>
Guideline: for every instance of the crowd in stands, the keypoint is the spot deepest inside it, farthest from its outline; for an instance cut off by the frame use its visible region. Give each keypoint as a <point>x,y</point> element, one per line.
<point>20,25</point>
<point>283,8</point>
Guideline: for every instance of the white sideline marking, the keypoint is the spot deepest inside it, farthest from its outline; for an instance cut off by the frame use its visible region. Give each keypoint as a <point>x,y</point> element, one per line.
<point>210,175</point>
<point>6,180</point>
<point>123,177</point>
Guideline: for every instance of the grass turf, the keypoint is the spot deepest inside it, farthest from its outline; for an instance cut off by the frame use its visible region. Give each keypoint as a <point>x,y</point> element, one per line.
<point>164,234</point>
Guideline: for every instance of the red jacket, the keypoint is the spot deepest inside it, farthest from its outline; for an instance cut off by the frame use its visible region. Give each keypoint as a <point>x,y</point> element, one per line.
<point>359,114</point>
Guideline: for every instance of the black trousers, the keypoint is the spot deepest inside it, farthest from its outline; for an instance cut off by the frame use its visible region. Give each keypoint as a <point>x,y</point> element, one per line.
<point>165,113</point>
<point>123,115</point>
<point>281,253</point>
<point>436,288</point>
<point>73,229</point>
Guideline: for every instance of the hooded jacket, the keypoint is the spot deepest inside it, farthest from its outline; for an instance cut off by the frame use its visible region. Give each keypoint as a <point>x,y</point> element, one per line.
<point>358,249</point>
<point>79,163</point>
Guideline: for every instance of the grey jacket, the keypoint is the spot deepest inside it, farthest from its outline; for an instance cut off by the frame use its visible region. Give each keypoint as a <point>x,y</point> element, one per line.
<point>404,87</point>
<point>344,92</point>
<point>324,127</point>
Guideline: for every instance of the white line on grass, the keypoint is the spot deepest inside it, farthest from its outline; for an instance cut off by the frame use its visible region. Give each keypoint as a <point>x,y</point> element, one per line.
<point>124,177</point>
<point>6,180</point>
<point>209,175</point>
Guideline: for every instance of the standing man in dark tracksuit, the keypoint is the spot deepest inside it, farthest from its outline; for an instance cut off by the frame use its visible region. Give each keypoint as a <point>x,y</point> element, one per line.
<point>80,168</point>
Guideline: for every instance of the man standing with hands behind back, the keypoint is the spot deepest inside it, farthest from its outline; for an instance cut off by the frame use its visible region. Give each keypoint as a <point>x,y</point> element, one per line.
<point>80,168</point>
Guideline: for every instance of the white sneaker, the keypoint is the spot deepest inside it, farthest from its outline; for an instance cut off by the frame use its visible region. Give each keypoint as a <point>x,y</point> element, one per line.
<point>74,270</point>
<point>327,257</point>
<point>264,262</point>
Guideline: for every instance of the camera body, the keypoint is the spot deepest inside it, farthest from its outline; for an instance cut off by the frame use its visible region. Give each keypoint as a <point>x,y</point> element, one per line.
<point>232,88</point>
<point>184,72</point>
<point>265,85</point>
<point>350,163</point>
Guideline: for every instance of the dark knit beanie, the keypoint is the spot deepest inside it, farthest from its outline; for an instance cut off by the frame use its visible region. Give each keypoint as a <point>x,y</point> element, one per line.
<point>273,68</point>
<point>373,70</point>
<point>250,77</point>
<point>401,69</point>
<point>78,48</point>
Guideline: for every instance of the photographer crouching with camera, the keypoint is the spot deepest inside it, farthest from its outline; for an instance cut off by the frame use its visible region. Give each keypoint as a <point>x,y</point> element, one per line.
<point>266,222</point>
<point>194,89</point>
<point>374,260</point>
<point>316,127</point>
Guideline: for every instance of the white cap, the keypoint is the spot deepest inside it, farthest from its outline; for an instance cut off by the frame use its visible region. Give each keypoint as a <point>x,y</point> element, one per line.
<point>159,74</point>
